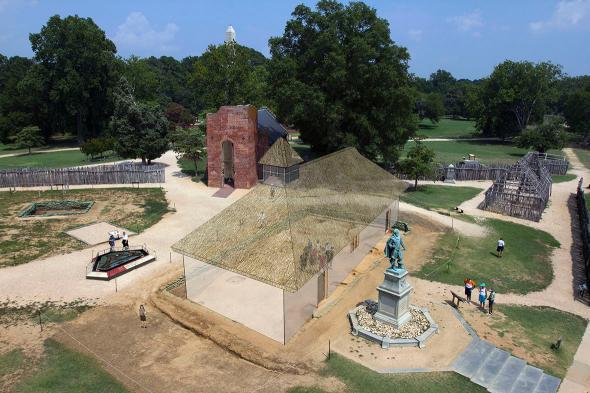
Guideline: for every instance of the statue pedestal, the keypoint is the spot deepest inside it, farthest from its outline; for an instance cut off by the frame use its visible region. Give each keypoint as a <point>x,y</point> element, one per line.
<point>394,298</point>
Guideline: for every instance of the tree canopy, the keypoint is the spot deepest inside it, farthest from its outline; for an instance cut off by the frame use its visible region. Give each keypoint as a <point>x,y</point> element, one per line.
<point>140,129</point>
<point>515,94</point>
<point>431,106</point>
<point>337,76</point>
<point>543,137</point>
<point>418,162</point>
<point>229,74</point>
<point>189,143</point>
<point>76,70</point>
<point>29,137</point>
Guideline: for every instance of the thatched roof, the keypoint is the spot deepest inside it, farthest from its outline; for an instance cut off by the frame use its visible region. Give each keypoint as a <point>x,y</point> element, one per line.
<point>265,234</point>
<point>281,154</point>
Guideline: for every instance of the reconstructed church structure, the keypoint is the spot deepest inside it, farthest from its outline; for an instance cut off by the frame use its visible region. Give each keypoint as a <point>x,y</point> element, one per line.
<point>237,138</point>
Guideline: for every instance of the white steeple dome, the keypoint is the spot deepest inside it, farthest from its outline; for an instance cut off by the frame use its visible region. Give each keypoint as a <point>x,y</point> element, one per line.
<point>230,34</point>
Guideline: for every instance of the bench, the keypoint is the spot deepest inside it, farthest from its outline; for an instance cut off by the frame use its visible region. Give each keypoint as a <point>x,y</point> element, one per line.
<point>459,299</point>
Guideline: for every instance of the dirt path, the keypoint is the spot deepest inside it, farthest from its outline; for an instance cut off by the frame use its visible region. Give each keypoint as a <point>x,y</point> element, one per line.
<point>62,277</point>
<point>38,151</point>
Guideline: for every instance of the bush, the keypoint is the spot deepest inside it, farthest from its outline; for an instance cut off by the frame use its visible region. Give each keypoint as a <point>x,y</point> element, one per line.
<point>97,147</point>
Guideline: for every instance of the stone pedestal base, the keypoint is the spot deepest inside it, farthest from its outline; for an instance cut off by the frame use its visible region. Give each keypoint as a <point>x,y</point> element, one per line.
<point>394,298</point>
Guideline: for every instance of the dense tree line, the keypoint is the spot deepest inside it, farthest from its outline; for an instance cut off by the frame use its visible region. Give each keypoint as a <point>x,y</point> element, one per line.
<point>335,74</point>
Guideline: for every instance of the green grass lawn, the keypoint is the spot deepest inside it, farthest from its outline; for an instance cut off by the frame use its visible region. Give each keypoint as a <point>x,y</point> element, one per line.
<point>583,156</point>
<point>62,370</point>
<point>439,197</point>
<point>536,328</point>
<point>359,379</point>
<point>447,128</point>
<point>188,168</point>
<point>485,151</point>
<point>563,178</point>
<point>11,362</point>
<point>58,159</point>
<point>525,266</point>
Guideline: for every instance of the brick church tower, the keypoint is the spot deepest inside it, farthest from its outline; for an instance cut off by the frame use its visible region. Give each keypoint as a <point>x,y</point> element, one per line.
<point>233,147</point>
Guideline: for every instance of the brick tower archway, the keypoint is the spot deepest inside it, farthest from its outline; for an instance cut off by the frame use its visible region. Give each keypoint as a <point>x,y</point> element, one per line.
<point>238,125</point>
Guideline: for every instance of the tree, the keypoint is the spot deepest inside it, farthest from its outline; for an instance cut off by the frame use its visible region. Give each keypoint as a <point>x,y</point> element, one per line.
<point>141,130</point>
<point>515,94</point>
<point>29,137</point>
<point>77,69</point>
<point>16,109</point>
<point>336,75</point>
<point>230,74</point>
<point>431,106</point>
<point>178,115</point>
<point>441,82</point>
<point>418,162</point>
<point>190,144</point>
<point>544,137</point>
<point>577,111</point>
<point>96,147</point>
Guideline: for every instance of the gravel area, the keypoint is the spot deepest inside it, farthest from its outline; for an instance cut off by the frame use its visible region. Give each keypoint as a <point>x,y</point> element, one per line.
<point>417,325</point>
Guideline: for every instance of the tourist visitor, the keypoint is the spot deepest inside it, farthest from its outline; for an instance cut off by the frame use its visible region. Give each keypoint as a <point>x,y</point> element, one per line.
<point>112,242</point>
<point>582,289</point>
<point>142,316</point>
<point>482,296</point>
<point>491,298</point>
<point>125,240</point>
<point>500,248</point>
<point>469,284</point>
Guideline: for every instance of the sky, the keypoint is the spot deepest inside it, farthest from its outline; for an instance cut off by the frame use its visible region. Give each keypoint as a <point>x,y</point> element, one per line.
<point>466,37</point>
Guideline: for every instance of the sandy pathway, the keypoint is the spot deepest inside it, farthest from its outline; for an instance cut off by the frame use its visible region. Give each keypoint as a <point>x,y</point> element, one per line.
<point>38,151</point>
<point>62,277</point>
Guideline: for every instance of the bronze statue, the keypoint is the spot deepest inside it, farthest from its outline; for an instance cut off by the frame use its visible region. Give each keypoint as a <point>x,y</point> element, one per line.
<point>394,251</point>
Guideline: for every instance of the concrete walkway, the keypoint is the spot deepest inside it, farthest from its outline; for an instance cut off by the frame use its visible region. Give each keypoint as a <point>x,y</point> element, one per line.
<point>499,372</point>
<point>557,219</point>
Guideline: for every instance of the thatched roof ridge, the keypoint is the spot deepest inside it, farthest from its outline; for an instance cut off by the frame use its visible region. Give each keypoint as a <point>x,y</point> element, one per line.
<point>281,154</point>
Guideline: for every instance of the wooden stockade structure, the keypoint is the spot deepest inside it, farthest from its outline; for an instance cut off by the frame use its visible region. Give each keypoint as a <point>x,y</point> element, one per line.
<point>122,173</point>
<point>475,170</point>
<point>584,226</point>
<point>522,191</point>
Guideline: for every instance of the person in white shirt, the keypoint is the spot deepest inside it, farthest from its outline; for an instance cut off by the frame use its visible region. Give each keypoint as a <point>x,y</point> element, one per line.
<point>125,240</point>
<point>500,248</point>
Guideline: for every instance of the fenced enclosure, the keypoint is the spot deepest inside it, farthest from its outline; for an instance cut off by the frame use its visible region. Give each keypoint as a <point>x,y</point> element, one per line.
<point>584,226</point>
<point>122,173</point>
<point>475,170</point>
<point>522,191</point>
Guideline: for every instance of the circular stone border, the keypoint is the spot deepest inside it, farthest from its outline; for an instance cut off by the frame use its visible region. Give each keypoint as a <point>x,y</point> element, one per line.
<point>386,341</point>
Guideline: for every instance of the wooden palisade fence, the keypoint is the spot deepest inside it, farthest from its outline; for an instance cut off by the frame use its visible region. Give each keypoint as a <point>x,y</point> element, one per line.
<point>584,227</point>
<point>122,173</point>
<point>556,165</point>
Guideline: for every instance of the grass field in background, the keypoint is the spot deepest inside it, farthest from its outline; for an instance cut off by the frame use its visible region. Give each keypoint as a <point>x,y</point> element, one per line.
<point>485,151</point>
<point>58,159</point>
<point>447,128</point>
<point>188,168</point>
<point>439,197</point>
<point>359,379</point>
<point>536,328</point>
<point>525,266</point>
